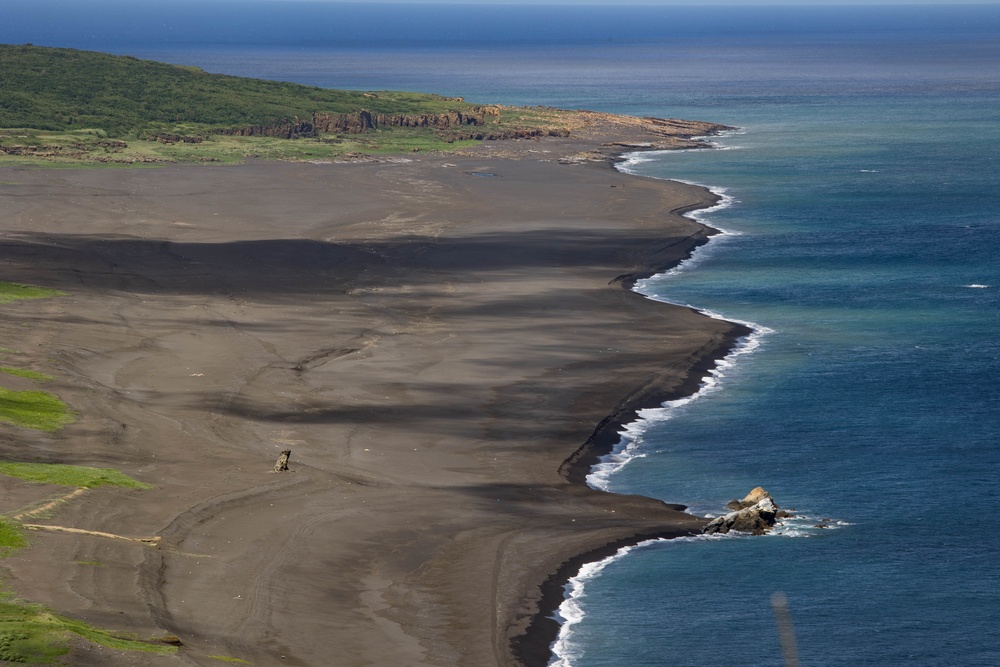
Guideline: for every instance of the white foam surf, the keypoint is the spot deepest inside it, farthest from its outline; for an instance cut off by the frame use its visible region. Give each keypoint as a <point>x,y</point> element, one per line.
<point>632,434</point>
<point>804,525</point>
<point>629,448</point>
<point>571,611</point>
<point>628,161</point>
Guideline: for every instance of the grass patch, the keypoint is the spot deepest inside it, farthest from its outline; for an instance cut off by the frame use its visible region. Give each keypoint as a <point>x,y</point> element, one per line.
<point>91,563</point>
<point>25,373</point>
<point>121,642</point>
<point>17,292</point>
<point>82,148</point>
<point>226,658</point>
<point>68,475</point>
<point>30,634</point>
<point>11,538</point>
<point>39,410</point>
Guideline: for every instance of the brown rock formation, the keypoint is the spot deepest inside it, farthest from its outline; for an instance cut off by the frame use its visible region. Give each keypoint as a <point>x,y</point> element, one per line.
<point>363,121</point>
<point>756,513</point>
<point>751,499</point>
<point>366,120</point>
<point>168,138</point>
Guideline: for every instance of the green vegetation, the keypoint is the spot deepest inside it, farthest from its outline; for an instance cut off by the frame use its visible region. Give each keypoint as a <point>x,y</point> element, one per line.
<point>11,538</point>
<point>226,149</point>
<point>224,658</point>
<point>25,373</point>
<point>39,410</point>
<point>31,409</point>
<point>118,641</point>
<point>68,475</point>
<point>57,89</point>
<point>29,633</point>
<point>17,292</point>
<point>64,107</point>
<point>33,635</point>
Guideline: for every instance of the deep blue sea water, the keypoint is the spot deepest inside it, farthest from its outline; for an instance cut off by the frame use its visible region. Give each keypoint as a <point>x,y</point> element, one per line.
<point>864,238</point>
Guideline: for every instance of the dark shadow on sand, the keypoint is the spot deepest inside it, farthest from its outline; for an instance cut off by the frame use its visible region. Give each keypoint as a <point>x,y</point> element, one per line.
<point>283,268</point>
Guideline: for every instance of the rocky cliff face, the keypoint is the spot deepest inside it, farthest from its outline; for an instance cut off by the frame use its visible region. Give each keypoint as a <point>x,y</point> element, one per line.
<point>484,123</point>
<point>365,121</point>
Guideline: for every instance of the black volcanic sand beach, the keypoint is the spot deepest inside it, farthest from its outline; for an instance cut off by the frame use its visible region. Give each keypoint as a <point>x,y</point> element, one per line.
<point>445,353</point>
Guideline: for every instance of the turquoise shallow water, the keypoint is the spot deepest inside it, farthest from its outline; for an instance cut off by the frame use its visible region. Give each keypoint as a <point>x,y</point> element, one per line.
<point>865,233</point>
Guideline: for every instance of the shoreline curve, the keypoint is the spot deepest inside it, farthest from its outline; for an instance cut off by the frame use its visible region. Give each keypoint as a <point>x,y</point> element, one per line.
<point>578,467</point>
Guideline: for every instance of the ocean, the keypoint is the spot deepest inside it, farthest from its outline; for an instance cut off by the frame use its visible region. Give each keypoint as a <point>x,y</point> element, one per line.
<point>862,241</point>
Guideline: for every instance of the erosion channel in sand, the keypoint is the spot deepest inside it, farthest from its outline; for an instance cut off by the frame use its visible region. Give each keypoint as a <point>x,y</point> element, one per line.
<point>432,344</point>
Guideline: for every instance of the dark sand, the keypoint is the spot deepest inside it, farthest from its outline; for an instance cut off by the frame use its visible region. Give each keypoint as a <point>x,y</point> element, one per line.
<point>432,344</point>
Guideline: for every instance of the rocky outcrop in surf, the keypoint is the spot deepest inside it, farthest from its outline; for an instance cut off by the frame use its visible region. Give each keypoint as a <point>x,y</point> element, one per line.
<point>756,514</point>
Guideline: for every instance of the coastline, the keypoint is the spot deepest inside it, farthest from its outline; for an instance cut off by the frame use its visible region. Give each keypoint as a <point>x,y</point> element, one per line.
<point>581,465</point>
<point>424,525</point>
